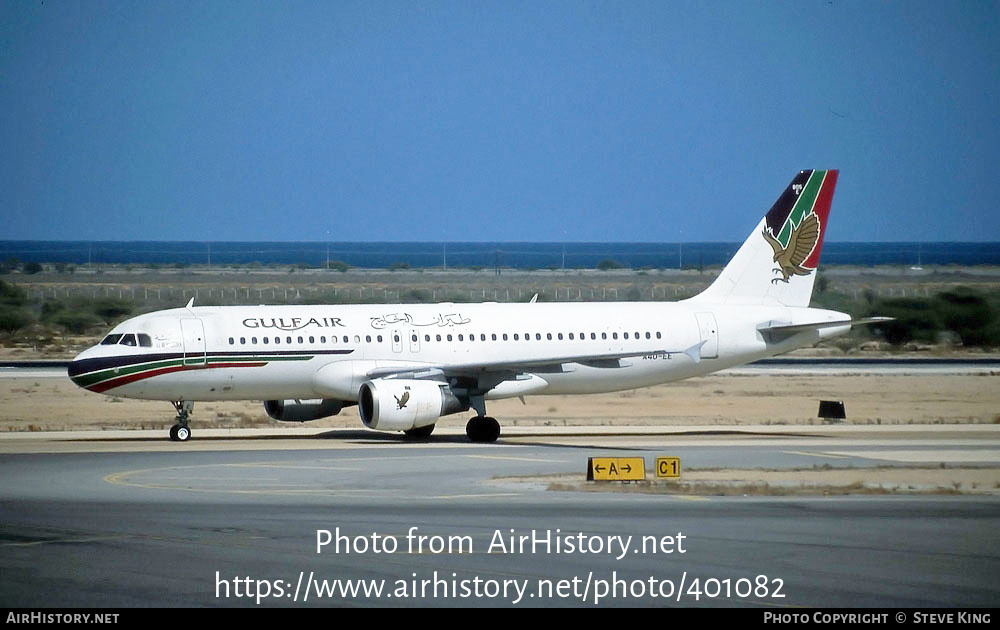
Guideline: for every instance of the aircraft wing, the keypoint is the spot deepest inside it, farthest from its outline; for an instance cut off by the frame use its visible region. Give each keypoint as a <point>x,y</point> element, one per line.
<point>546,365</point>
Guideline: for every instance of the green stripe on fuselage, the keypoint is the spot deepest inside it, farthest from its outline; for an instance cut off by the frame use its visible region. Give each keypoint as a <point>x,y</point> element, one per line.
<point>86,380</point>
<point>802,207</point>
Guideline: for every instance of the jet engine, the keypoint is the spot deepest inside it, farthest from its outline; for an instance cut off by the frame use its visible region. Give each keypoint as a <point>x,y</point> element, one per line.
<point>302,410</point>
<point>402,404</point>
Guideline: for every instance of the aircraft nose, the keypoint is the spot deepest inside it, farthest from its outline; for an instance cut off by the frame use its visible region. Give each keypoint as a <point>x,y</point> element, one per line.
<point>78,367</point>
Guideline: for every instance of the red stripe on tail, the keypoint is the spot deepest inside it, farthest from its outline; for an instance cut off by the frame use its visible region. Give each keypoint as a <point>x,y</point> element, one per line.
<point>822,209</point>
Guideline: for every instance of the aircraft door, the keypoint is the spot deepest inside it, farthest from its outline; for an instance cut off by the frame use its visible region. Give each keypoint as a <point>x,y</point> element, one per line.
<point>193,332</point>
<point>709,332</point>
<point>397,341</point>
<point>414,341</point>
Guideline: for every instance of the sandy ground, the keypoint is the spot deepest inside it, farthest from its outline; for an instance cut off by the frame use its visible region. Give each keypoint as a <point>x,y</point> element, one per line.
<point>54,404</point>
<point>50,404</point>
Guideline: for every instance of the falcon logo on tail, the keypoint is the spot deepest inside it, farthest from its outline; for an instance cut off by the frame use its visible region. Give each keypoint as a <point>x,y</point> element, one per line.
<point>794,225</point>
<point>801,243</point>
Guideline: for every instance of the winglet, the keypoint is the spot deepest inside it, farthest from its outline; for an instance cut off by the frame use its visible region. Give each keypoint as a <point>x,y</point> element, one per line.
<point>190,304</point>
<point>695,351</point>
<point>534,298</point>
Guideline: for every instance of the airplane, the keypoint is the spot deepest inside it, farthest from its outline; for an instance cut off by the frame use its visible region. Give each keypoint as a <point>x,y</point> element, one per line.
<point>408,365</point>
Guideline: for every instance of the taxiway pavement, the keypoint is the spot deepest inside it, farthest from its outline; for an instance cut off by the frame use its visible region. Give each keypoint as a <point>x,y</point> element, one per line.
<point>139,521</point>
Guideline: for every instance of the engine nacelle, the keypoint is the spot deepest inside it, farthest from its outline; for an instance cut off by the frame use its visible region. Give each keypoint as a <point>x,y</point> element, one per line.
<point>302,410</point>
<point>401,404</point>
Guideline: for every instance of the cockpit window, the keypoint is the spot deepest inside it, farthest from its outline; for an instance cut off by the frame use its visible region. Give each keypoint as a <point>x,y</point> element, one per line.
<point>144,340</point>
<point>110,340</point>
<point>128,340</point>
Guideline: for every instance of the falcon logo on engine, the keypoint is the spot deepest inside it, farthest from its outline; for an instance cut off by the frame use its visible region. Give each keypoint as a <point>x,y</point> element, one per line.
<point>401,402</point>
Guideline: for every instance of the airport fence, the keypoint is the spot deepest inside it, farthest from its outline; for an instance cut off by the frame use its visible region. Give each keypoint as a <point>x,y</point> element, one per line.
<point>392,295</point>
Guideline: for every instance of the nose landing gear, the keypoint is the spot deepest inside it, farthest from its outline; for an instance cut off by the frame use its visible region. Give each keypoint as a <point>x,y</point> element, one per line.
<point>181,432</point>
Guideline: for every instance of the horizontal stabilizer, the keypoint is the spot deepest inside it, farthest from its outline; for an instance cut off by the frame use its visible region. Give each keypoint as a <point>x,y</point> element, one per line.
<point>776,331</point>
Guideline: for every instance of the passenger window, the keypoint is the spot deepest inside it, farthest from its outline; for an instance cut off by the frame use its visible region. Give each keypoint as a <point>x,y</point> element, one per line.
<point>437,337</point>
<point>231,341</point>
<point>413,337</point>
<point>482,337</point>
<point>300,339</point>
<point>312,340</point>
<point>289,340</point>
<point>427,337</point>
<point>571,336</point>
<point>548,336</point>
<point>345,338</point>
<point>626,335</point>
<point>277,340</point>
<point>243,341</point>
<point>357,339</point>
<point>110,340</point>
<point>323,339</point>
<point>647,335</point>
<point>145,341</point>
<point>449,337</point>
<point>515,337</point>
<point>461,338</point>
<point>604,335</point>
<point>505,336</point>
<point>538,336</point>
<point>614,335</point>
<point>368,338</point>
<point>593,335</point>
<point>253,339</point>
<point>494,336</point>
<point>395,338</point>
<point>265,339</point>
<point>657,334</point>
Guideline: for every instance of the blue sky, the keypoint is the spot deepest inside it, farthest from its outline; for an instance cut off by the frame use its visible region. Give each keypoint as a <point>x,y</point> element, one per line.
<point>494,121</point>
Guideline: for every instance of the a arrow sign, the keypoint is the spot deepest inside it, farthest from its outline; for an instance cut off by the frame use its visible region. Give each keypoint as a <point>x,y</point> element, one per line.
<point>616,469</point>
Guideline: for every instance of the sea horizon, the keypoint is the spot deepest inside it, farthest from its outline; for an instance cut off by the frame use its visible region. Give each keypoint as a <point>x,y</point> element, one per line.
<point>437,254</point>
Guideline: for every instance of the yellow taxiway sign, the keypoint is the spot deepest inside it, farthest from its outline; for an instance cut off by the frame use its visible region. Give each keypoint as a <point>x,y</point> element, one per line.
<point>668,467</point>
<point>616,469</point>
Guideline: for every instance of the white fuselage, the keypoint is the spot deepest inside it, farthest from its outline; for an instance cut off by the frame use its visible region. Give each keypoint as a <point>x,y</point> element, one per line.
<point>327,351</point>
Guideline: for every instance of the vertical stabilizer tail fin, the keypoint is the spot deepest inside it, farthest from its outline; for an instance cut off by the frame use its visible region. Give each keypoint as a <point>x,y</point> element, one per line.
<point>777,262</point>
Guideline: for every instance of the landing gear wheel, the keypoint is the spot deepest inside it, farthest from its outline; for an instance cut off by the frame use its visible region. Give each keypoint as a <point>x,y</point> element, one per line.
<point>181,432</point>
<point>420,432</point>
<point>483,429</point>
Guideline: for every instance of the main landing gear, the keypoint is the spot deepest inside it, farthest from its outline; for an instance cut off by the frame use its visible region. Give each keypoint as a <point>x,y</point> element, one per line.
<point>181,432</point>
<point>483,429</point>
